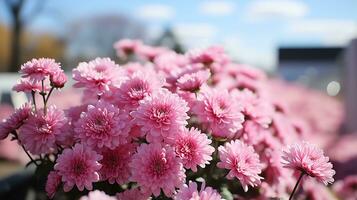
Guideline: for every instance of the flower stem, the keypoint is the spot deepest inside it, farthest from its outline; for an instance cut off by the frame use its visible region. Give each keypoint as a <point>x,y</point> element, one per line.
<point>34,99</point>
<point>48,96</point>
<point>296,185</point>
<point>27,153</point>
<point>43,94</point>
<point>23,147</point>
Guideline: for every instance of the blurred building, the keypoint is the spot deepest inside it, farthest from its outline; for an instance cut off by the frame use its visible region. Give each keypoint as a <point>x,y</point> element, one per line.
<point>350,84</point>
<point>315,67</point>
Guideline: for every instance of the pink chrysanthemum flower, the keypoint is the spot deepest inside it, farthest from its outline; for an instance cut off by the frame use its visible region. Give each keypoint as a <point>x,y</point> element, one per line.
<point>254,108</point>
<point>126,47</point>
<point>190,192</point>
<point>209,55</point>
<point>218,111</point>
<point>26,85</point>
<point>39,69</point>
<point>155,167</point>
<point>78,166</point>
<point>58,79</point>
<point>193,147</point>
<point>150,52</point>
<point>14,121</point>
<point>101,126</point>
<point>97,195</point>
<point>115,163</point>
<point>52,184</point>
<point>68,137</point>
<point>137,87</point>
<point>162,114</point>
<point>193,82</point>
<point>242,162</point>
<point>132,194</point>
<point>309,159</point>
<point>98,76</point>
<point>39,132</point>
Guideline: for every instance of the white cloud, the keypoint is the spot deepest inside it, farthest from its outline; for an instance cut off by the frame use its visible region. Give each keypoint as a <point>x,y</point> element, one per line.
<point>156,11</point>
<point>278,9</point>
<point>217,8</point>
<point>331,32</point>
<point>195,34</point>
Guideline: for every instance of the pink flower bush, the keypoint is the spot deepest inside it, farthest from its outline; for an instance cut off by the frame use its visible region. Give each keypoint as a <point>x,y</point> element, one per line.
<point>189,192</point>
<point>242,162</point>
<point>39,132</point>
<point>161,115</point>
<point>78,167</point>
<point>101,126</point>
<point>115,164</point>
<point>219,112</point>
<point>162,120</point>
<point>310,160</point>
<point>155,167</point>
<point>193,147</point>
<point>52,184</point>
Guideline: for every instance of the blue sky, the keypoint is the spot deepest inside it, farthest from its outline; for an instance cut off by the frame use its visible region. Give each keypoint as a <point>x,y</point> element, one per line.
<point>251,30</point>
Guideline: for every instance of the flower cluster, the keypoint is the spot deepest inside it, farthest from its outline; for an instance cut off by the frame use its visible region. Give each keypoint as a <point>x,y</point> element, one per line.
<point>155,126</point>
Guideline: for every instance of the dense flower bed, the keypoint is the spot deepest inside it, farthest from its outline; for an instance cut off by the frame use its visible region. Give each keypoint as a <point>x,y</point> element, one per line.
<point>181,126</point>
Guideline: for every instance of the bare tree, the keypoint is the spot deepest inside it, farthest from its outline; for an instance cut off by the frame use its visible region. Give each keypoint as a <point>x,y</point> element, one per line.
<point>15,8</point>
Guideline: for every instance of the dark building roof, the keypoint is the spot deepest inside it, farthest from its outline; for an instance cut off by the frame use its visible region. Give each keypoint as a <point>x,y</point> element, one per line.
<point>308,53</point>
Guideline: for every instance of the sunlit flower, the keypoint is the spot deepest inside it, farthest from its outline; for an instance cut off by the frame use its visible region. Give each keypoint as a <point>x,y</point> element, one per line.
<point>101,126</point>
<point>219,112</point>
<point>162,114</point>
<point>14,121</point>
<point>193,147</point>
<point>39,69</point>
<point>309,159</point>
<point>58,79</point>
<point>193,82</point>
<point>97,76</point>
<point>39,132</point>
<point>155,167</point>
<point>242,162</point>
<point>137,87</point>
<point>78,166</point>
<point>26,85</point>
